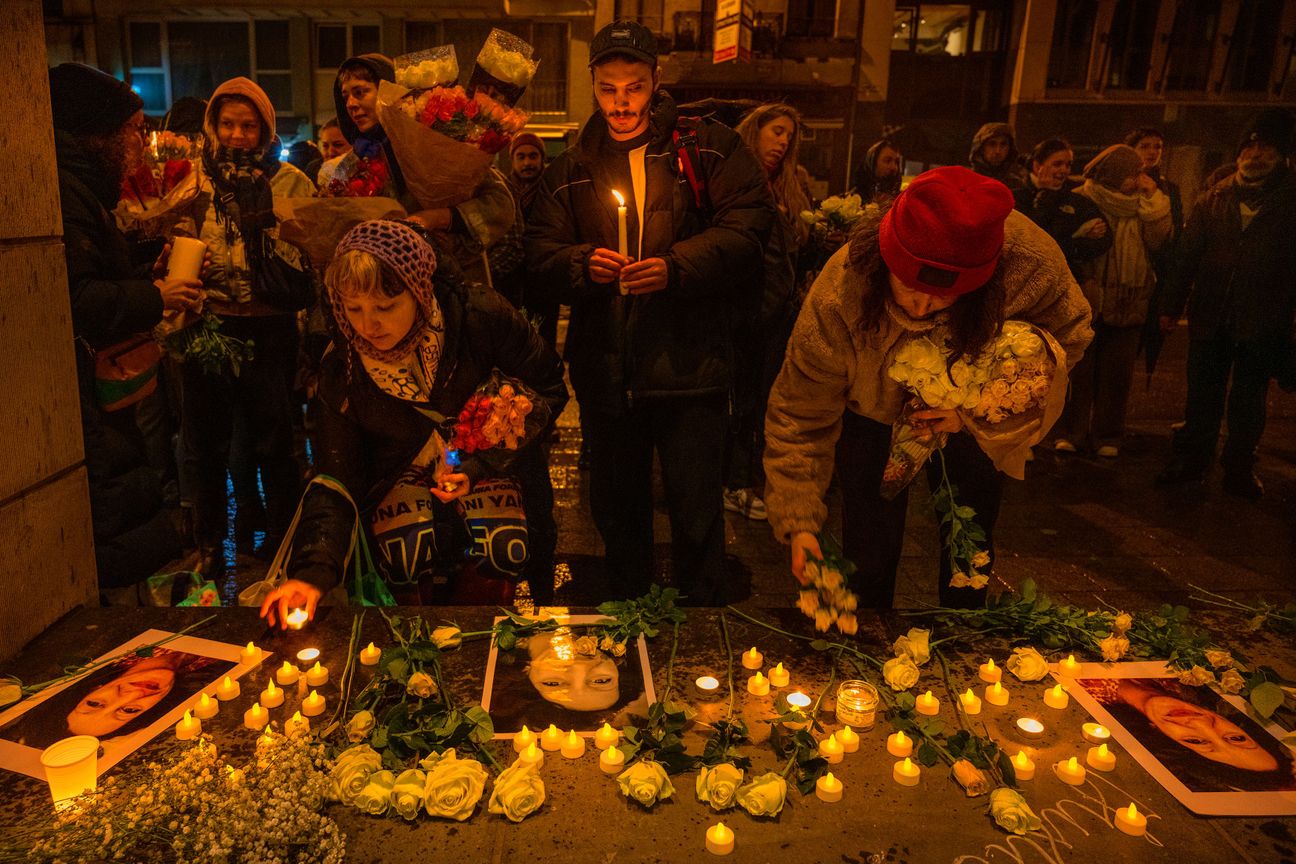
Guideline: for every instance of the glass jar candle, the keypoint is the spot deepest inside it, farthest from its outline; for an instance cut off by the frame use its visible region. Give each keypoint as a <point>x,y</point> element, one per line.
<point>857,703</point>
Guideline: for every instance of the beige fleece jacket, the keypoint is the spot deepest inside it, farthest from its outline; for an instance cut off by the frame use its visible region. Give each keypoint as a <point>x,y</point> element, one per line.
<point>831,366</point>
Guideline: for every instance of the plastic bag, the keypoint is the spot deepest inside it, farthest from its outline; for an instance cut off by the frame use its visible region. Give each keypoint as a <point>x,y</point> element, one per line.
<point>504,67</point>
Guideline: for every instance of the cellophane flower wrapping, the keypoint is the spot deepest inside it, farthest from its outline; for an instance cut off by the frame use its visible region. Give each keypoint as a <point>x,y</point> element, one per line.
<point>445,139</point>
<point>502,416</point>
<point>504,66</point>
<point>433,67</point>
<point>157,196</point>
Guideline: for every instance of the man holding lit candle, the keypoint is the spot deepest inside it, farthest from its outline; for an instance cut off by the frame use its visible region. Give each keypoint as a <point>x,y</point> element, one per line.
<point>650,341</point>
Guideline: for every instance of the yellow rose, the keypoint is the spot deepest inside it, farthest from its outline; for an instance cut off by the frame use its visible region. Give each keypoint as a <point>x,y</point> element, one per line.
<point>1232,681</point>
<point>1219,659</point>
<point>407,793</point>
<point>351,772</point>
<point>848,624</point>
<point>375,797</point>
<point>1114,647</point>
<point>1196,676</point>
<point>960,580</point>
<point>454,787</point>
<point>618,649</point>
<point>607,643</point>
<point>832,579</point>
<point>420,684</point>
<point>360,727</point>
<point>808,602</point>
<point>447,637</point>
<point>1011,812</point>
<point>518,792</point>
<point>585,646</point>
<point>823,620</point>
<point>718,786</point>
<point>981,559</point>
<point>10,692</point>
<point>915,645</point>
<point>978,581</point>
<point>1122,623</point>
<point>1027,664</point>
<point>764,796</point>
<point>645,782</point>
<point>971,778</point>
<point>900,672</point>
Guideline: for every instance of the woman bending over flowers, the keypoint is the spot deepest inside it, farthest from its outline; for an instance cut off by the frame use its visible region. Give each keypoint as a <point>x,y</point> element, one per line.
<point>948,260</point>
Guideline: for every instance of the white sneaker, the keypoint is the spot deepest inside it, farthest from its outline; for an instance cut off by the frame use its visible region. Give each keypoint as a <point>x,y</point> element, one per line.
<point>745,502</point>
<point>1108,451</point>
<point>1062,445</point>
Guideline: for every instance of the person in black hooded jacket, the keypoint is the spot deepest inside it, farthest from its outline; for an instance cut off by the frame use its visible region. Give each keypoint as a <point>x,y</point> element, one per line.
<point>98,139</point>
<point>389,383</point>
<point>651,362</point>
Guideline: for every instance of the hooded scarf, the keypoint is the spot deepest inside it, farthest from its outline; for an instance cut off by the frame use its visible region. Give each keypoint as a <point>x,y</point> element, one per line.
<point>1127,262</point>
<point>374,143</point>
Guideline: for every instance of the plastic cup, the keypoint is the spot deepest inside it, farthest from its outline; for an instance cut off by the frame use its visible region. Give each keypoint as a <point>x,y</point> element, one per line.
<point>71,767</point>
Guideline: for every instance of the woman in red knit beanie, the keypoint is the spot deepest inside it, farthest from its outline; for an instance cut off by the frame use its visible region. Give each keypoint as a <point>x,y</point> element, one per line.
<point>951,260</point>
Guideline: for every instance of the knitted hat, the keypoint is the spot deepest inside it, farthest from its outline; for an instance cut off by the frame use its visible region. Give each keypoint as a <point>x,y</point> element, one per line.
<point>526,139</point>
<point>944,233</point>
<point>1276,126</point>
<point>86,101</point>
<point>250,91</point>
<point>1113,166</point>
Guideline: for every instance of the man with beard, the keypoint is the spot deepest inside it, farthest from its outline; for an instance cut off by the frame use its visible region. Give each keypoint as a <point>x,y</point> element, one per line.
<point>650,339</point>
<point>526,152</point>
<point>994,155</point>
<point>526,156</point>
<point>98,140</point>
<point>1234,274</point>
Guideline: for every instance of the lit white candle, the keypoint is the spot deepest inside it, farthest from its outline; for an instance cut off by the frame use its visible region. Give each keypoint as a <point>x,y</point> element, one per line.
<point>313,705</point>
<point>370,655</point>
<point>849,740</point>
<point>927,704</point>
<point>1100,758</point>
<point>573,746</point>
<point>297,619</point>
<point>623,243</point>
<point>831,749</point>
<point>1095,733</point>
<point>828,788</point>
<point>317,675</point>
<point>296,724</point>
<point>531,755</point>
<point>1130,821</point>
<point>758,685</point>
<point>606,737</point>
<point>1023,766</point>
<point>206,708</point>
<point>228,689</point>
<point>272,696</point>
<point>779,677</point>
<point>287,674</point>
<point>250,654</point>
<point>189,727</point>
<point>996,694</point>
<point>522,739</point>
<point>900,744</point>
<point>970,702</point>
<point>1069,666</point>
<point>1056,697</point>
<point>753,659</point>
<point>719,839</point>
<point>989,672</point>
<point>256,717</point>
<point>906,773</point>
<point>611,760</point>
<point>551,739</point>
<point>1070,771</point>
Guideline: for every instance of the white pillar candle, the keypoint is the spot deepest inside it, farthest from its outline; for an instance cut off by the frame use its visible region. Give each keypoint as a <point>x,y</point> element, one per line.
<point>779,677</point>
<point>1023,766</point>
<point>188,728</point>
<point>831,749</point>
<point>1100,758</point>
<point>272,696</point>
<point>989,672</point>
<point>313,705</point>
<point>906,773</point>
<point>522,739</point>
<point>317,675</point>
<point>753,659</point>
<point>186,258</point>
<point>551,738</point>
<point>611,760</point>
<point>228,689</point>
<point>719,839</point>
<point>996,694</point>
<point>1070,771</point>
<point>256,717</point>
<point>849,740</point>
<point>900,745</point>
<point>970,702</point>
<point>1095,733</point>
<point>287,674</point>
<point>606,737</point>
<point>573,746</point>
<point>206,708</point>
<point>828,788</point>
<point>1069,666</point>
<point>1130,821</point>
<point>1056,697</point>
<point>531,755</point>
<point>370,655</point>
<point>758,684</point>
<point>927,704</point>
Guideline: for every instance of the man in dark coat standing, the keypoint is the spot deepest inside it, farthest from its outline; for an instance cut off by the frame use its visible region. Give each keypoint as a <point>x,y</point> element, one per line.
<point>1234,272</point>
<point>653,288</point>
<point>98,140</point>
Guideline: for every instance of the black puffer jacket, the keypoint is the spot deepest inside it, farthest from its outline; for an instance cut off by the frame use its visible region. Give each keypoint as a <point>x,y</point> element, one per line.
<point>366,438</point>
<point>112,300</point>
<point>1061,213</point>
<point>1235,282</point>
<point>673,342</point>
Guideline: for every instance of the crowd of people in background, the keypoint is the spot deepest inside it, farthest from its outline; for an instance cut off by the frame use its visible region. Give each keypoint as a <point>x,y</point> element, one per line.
<point>706,325</point>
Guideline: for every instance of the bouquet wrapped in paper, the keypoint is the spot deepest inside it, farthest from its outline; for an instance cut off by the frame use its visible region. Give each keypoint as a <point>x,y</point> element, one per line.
<point>156,197</point>
<point>422,70</point>
<point>504,414</point>
<point>504,67</point>
<point>445,139</point>
<point>315,225</point>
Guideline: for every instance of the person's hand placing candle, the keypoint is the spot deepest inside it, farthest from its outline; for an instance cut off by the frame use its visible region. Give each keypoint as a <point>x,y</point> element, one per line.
<point>291,594</point>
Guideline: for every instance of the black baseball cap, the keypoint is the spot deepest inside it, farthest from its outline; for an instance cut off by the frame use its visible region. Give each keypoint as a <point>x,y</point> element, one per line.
<point>628,38</point>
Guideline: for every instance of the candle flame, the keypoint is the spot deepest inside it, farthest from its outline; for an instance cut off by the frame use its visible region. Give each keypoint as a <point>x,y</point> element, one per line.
<point>990,663</point>
<point>1021,758</point>
<point>1072,765</point>
<point>831,779</point>
<point>296,718</point>
<point>552,730</point>
<point>908,764</point>
<point>1070,659</point>
<point>297,619</point>
<point>187,717</point>
<point>572,740</point>
<point>779,667</point>
<point>270,688</point>
<point>525,731</point>
<point>1133,811</point>
<point>530,751</point>
<point>203,700</point>
<point>928,695</point>
<point>1057,689</point>
<point>1102,751</point>
<point>251,649</point>
<point>621,203</point>
<point>997,687</point>
<point>900,737</point>
<point>227,682</point>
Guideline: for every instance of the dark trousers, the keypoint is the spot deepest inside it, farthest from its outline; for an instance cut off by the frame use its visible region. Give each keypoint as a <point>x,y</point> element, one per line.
<point>873,527</point>
<point>758,357</point>
<point>1100,387</point>
<point>260,394</point>
<point>1211,364</point>
<point>687,434</point>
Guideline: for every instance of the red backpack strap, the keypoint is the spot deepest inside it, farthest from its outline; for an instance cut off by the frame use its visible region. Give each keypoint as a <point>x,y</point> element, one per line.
<point>685,139</point>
